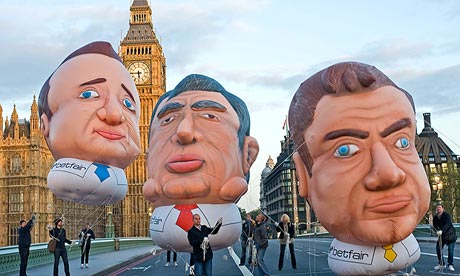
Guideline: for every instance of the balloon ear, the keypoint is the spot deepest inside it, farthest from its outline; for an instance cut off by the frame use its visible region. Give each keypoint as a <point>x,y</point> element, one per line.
<point>44,125</point>
<point>302,175</point>
<point>250,152</point>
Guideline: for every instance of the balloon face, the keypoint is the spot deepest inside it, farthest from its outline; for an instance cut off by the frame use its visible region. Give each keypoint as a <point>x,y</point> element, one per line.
<point>194,155</point>
<point>199,156</point>
<point>95,111</point>
<point>366,164</point>
<point>89,115</point>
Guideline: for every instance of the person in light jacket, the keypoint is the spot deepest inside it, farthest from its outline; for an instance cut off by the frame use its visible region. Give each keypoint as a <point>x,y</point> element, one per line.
<point>286,236</point>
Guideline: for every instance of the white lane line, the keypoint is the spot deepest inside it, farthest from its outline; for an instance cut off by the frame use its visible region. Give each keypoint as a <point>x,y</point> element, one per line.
<point>236,259</point>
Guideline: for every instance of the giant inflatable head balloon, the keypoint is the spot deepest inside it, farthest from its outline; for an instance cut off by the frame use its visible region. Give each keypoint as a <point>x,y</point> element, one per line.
<point>89,114</point>
<point>199,156</point>
<point>355,131</point>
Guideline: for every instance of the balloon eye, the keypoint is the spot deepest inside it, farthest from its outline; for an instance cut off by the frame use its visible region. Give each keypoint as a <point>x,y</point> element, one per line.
<point>402,143</point>
<point>128,104</point>
<point>167,120</point>
<point>210,116</point>
<point>345,151</point>
<point>89,94</point>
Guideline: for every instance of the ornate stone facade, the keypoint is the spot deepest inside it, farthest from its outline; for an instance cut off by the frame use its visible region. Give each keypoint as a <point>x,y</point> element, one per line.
<point>24,164</point>
<point>25,159</point>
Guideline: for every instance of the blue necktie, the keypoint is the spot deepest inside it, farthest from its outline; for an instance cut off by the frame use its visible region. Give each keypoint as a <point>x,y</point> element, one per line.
<point>101,171</point>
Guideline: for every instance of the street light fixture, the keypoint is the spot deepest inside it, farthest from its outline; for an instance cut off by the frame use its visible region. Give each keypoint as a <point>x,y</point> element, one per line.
<point>437,186</point>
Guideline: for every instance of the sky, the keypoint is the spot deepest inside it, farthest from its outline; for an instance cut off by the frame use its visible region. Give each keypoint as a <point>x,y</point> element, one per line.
<point>260,50</point>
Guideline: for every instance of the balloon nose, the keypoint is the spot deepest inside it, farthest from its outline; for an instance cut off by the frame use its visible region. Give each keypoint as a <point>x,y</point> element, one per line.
<point>384,173</point>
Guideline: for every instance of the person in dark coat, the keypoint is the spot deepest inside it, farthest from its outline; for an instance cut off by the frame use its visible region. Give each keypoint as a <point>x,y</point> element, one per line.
<point>202,251</point>
<point>261,243</point>
<point>287,234</point>
<point>246,238</point>
<point>58,233</point>
<point>85,237</point>
<point>442,222</point>
<point>24,243</point>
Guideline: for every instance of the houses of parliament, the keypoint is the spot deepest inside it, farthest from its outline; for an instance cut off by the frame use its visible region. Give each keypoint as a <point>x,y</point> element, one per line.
<point>25,158</point>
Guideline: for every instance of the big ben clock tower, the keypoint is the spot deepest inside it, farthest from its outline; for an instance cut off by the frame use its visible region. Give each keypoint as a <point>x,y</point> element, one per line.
<point>143,56</point>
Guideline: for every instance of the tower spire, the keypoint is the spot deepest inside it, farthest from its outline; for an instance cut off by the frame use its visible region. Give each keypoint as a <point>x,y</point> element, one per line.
<point>34,117</point>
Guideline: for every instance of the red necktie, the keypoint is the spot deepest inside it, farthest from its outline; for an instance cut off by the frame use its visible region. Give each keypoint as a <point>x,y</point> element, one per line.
<point>185,218</point>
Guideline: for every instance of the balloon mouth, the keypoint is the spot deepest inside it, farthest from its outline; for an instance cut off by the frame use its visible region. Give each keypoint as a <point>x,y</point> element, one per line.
<point>109,134</point>
<point>389,204</point>
<point>184,163</point>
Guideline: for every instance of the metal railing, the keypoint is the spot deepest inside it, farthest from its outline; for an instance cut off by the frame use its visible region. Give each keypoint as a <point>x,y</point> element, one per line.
<point>39,255</point>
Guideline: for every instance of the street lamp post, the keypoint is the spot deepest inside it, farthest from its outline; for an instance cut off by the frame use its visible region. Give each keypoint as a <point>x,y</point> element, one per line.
<point>437,186</point>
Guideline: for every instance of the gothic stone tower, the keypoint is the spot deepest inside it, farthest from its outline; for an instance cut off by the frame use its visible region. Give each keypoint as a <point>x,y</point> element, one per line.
<point>24,164</point>
<point>24,161</point>
<point>143,56</point>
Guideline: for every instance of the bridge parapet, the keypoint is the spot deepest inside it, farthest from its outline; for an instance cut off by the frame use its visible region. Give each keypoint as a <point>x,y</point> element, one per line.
<point>39,255</point>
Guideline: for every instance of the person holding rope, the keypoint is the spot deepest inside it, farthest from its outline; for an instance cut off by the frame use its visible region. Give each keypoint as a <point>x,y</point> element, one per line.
<point>58,233</point>
<point>261,242</point>
<point>445,230</point>
<point>24,243</point>
<point>85,237</point>
<point>246,238</point>
<point>286,236</point>
<point>202,251</point>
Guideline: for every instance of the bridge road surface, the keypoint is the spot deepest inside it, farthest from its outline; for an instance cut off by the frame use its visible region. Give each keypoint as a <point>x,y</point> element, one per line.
<point>311,257</point>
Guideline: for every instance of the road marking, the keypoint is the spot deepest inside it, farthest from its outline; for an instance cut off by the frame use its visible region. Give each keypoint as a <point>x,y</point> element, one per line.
<point>236,259</point>
<point>123,269</point>
<point>143,268</point>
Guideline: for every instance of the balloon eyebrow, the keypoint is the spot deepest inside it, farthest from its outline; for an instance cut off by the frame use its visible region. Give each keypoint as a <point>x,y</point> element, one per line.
<point>95,81</point>
<point>128,91</point>
<point>398,125</point>
<point>170,107</point>
<point>360,134</point>
<point>208,104</point>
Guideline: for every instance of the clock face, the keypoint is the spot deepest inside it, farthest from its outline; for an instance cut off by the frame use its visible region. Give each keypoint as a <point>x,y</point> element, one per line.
<point>139,71</point>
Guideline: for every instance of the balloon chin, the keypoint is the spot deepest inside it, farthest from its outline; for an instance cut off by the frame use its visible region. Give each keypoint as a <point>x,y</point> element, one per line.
<point>167,234</point>
<point>87,182</point>
<point>350,259</point>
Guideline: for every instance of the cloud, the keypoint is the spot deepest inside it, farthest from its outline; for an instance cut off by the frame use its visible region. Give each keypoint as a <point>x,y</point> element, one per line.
<point>391,52</point>
<point>188,31</point>
<point>34,47</point>
<point>437,88</point>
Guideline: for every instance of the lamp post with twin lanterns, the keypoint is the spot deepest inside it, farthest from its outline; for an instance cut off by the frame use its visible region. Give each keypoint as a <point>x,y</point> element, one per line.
<point>437,186</point>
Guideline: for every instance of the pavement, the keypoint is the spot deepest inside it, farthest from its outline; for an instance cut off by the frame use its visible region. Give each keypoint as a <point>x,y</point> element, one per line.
<point>102,264</point>
<point>99,264</point>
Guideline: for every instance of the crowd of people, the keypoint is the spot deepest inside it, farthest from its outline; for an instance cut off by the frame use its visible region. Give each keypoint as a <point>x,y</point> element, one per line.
<point>254,243</point>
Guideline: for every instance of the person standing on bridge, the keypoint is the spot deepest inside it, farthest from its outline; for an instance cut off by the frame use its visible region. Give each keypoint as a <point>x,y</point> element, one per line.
<point>287,234</point>
<point>58,233</point>
<point>442,222</point>
<point>261,242</point>
<point>85,237</point>
<point>246,239</point>
<point>24,243</point>
<point>202,251</point>
<point>168,258</point>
